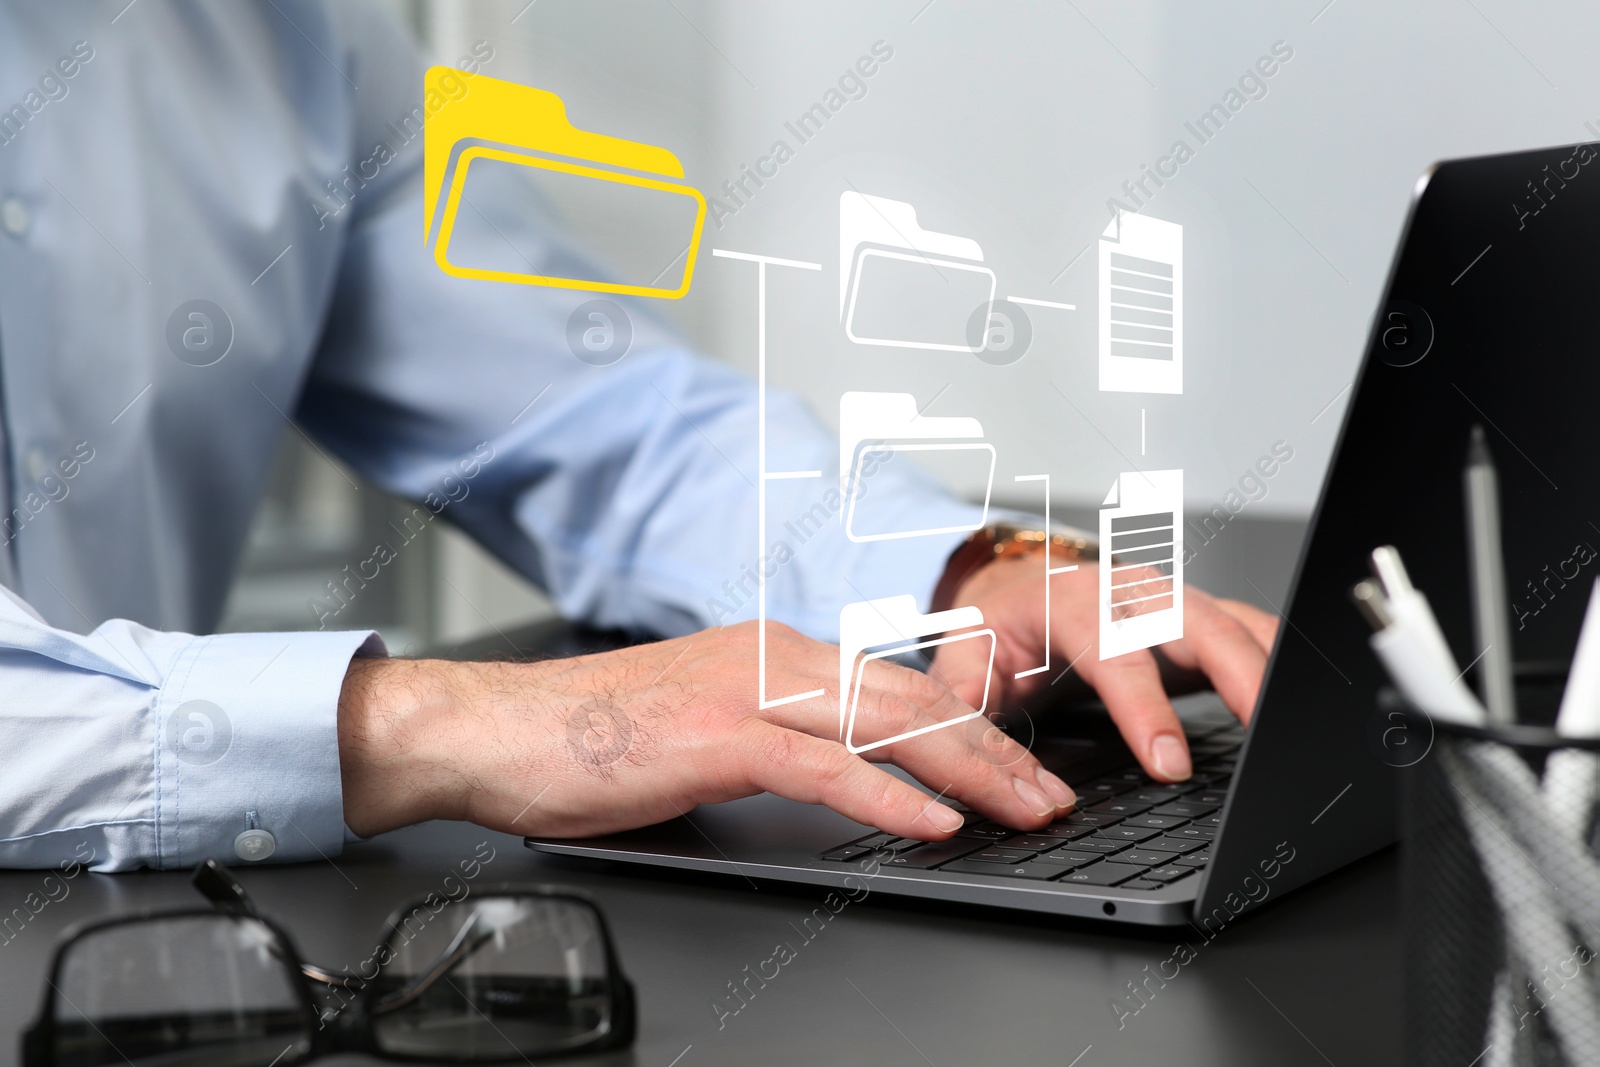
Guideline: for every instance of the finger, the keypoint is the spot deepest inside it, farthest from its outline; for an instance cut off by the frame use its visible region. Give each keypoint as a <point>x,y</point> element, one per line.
<point>944,744</point>
<point>967,757</point>
<point>1263,626</point>
<point>1225,649</point>
<point>813,771</point>
<point>964,667</point>
<point>1130,685</point>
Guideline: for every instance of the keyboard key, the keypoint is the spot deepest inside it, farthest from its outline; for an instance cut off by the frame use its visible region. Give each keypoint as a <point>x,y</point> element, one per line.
<point>1087,818</point>
<point>1169,874</point>
<point>1130,834</point>
<point>1209,820</point>
<point>1144,858</point>
<point>1030,842</point>
<point>1037,871</point>
<point>1092,791</point>
<point>1142,883</point>
<point>847,853</point>
<point>1092,844</point>
<point>1002,855</point>
<point>1194,833</point>
<point>1120,806</point>
<point>1064,831</point>
<point>1174,844</point>
<point>1207,796</point>
<point>984,832</point>
<point>1066,857</point>
<point>1101,874</point>
<point>901,844</point>
<point>1154,796</point>
<point>876,840</point>
<point>1155,822</point>
<point>1193,859</point>
<point>1184,809</point>
<point>1136,869</point>
<point>935,853</point>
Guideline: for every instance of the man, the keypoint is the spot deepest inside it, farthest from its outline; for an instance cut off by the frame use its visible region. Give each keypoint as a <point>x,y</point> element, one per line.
<point>255,165</point>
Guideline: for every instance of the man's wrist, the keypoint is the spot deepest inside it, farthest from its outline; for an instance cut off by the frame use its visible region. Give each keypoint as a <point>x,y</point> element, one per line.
<point>1004,542</point>
<point>394,730</point>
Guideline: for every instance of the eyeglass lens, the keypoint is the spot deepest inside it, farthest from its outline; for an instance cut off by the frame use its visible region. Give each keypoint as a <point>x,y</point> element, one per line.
<point>205,989</point>
<point>493,976</point>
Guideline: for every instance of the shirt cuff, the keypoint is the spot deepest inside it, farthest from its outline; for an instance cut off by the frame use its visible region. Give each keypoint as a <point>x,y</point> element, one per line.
<point>249,740</point>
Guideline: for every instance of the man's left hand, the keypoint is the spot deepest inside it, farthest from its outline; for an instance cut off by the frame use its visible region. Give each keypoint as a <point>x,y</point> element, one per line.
<point>1228,641</point>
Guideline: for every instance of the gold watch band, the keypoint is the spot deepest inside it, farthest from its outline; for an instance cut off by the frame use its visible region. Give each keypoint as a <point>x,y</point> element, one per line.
<point>1004,540</point>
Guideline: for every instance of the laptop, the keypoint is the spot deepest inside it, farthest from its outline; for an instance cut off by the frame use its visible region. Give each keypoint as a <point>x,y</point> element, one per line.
<point>1485,320</point>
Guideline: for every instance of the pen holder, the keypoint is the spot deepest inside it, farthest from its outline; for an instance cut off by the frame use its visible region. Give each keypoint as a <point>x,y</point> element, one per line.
<point>1501,889</point>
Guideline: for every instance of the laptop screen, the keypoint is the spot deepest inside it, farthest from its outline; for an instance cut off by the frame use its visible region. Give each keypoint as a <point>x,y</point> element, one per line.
<point>1486,321</point>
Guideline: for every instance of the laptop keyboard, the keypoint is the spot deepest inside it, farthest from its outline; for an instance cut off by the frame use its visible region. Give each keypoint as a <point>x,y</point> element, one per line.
<point>1128,830</point>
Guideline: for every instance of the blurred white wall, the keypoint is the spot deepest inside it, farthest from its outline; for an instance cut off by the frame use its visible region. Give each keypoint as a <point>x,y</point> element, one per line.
<point>1014,124</point>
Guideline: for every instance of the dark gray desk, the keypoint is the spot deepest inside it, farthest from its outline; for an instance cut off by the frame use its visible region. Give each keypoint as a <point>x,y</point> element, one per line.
<point>886,983</point>
<point>1313,978</point>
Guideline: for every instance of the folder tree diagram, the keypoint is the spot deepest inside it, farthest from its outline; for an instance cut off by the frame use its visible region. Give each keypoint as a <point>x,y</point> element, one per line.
<point>879,424</point>
<point>1141,305</point>
<point>1141,573</point>
<point>875,629</point>
<point>506,123</point>
<point>901,286</point>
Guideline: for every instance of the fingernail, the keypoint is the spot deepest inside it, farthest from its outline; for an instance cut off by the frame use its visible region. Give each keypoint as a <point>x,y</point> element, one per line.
<point>1057,789</point>
<point>1034,797</point>
<point>1171,758</point>
<point>943,819</point>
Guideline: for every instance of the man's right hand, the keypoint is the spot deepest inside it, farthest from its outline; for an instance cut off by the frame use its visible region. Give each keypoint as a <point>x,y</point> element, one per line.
<point>607,742</point>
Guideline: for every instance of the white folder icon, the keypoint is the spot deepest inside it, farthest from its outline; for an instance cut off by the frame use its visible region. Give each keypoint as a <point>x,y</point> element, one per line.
<point>892,626</point>
<point>905,287</point>
<point>881,423</point>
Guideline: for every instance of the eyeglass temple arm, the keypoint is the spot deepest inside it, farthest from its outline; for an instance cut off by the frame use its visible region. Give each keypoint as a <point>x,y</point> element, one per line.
<point>468,940</point>
<point>217,884</point>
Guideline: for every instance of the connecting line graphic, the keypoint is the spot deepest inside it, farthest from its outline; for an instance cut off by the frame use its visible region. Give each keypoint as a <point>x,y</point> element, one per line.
<point>1048,572</point>
<point>761,263</point>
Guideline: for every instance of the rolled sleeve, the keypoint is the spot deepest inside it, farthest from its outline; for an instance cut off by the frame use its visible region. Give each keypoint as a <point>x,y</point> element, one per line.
<point>249,740</point>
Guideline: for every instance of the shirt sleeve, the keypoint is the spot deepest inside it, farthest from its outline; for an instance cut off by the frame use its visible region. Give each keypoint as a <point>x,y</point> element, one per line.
<point>628,491</point>
<point>131,747</point>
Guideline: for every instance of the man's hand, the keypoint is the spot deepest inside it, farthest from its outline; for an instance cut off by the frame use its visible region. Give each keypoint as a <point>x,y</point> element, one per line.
<point>1227,640</point>
<point>596,744</point>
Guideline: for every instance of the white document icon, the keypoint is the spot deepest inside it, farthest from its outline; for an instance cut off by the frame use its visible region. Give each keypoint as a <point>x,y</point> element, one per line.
<point>889,627</point>
<point>906,287</point>
<point>1141,305</point>
<point>1141,570</point>
<point>874,425</point>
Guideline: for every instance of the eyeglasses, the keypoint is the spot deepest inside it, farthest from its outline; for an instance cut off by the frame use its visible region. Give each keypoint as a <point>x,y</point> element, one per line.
<point>505,973</point>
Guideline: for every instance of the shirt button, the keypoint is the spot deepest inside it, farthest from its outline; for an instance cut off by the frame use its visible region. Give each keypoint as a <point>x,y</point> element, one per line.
<point>255,845</point>
<point>15,217</point>
<point>38,465</point>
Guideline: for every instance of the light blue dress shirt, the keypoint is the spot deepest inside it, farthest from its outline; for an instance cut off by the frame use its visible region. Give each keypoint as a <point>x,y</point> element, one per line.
<point>154,155</point>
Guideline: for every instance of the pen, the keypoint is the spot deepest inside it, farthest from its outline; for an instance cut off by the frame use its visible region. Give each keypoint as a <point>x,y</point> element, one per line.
<point>1489,611</point>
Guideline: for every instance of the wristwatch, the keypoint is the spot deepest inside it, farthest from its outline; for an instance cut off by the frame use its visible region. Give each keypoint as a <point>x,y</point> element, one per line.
<point>1004,540</point>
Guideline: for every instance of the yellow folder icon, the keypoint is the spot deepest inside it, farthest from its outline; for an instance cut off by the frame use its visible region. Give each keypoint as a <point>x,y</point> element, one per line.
<point>518,124</point>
